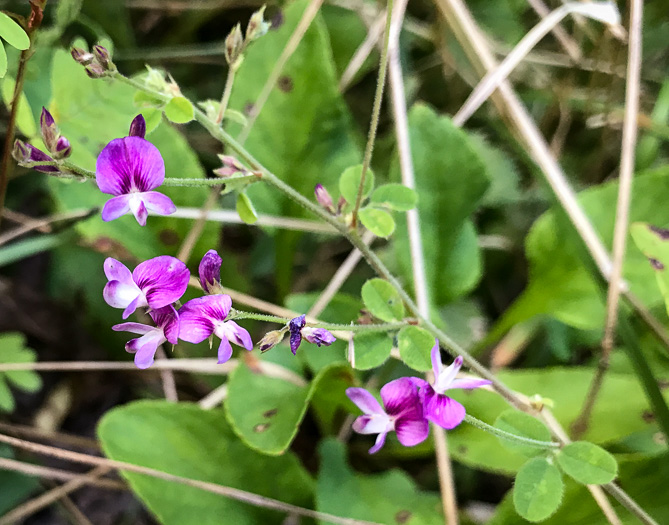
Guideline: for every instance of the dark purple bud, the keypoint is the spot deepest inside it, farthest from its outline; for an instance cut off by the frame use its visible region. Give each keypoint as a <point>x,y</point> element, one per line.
<point>63,148</point>
<point>103,57</point>
<point>210,273</point>
<point>95,70</point>
<point>295,326</point>
<point>137,127</point>
<point>26,153</point>
<point>48,130</point>
<point>318,336</point>
<point>323,198</point>
<point>82,57</point>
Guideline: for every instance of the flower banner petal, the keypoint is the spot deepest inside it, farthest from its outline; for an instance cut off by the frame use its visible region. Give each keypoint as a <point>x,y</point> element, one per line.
<point>163,280</point>
<point>129,164</point>
<point>399,396</point>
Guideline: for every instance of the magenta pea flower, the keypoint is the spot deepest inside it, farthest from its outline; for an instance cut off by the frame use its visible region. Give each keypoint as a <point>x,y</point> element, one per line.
<point>440,408</point>
<point>154,283</point>
<point>210,273</point>
<point>298,330</point>
<point>144,347</point>
<point>206,316</point>
<point>130,168</point>
<point>403,413</point>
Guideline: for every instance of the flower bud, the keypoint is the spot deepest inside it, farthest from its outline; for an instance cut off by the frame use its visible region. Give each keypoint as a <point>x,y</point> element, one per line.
<point>48,130</point>
<point>271,339</point>
<point>95,70</point>
<point>103,57</point>
<point>257,26</point>
<point>234,45</point>
<point>24,154</point>
<point>63,148</point>
<point>318,336</point>
<point>323,198</point>
<point>210,273</point>
<point>81,56</point>
<point>231,166</point>
<point>137,127</point>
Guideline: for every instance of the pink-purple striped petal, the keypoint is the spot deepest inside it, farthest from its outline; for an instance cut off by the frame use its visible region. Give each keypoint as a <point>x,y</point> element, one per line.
<point>116,207</point>
<point>412,430</point>
<point>158,203</point>
<point>399,396</point>
<point>364,401</point>
<point>129,164</point>
<point>224,351</point>
<point>469,383</point>
<point>235,334</point>
<point>163,280</point>
<point>442,410</point>
<point>380,441</point>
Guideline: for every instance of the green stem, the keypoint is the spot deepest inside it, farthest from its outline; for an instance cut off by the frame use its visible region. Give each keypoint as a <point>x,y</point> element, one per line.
<point>372,259</point>
<point>376,111</point>
<point>225,99</point>
<point>383,327</point>
<point>502,434</point>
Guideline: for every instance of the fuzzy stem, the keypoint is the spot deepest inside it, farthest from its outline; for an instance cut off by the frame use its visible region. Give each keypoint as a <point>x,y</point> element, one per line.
<point>383,327</point>
<point>376,111</point>
<point>227,90</point>
<point>502,434</point>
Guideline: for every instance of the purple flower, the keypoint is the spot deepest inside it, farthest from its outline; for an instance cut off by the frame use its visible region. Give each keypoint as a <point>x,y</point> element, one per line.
<point>203,317</point>
<point>154,283</point>
<point>403,413</point>
<point>439,408</point>
<point>210,273</point>
<point>298,330</point>
<point>129,168</point>
<point>144,347</point>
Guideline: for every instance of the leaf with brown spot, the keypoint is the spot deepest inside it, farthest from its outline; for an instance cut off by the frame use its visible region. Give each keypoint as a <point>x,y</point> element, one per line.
<point>653,242</point>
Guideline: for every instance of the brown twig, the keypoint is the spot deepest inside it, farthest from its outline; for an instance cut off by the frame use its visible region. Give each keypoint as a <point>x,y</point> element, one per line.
<point>34,22</point>
<point>622,211</point>
<point>214,488</point>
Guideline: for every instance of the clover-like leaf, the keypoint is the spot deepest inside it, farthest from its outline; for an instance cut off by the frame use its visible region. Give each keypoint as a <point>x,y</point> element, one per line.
<point>415,345</point>
<point>382,300</point>
<point>379,222</point>
<point>538,489</point>
<point>179,110</point>
<point>587,463</point>
<point>349,183</point>
<point>395,196</point>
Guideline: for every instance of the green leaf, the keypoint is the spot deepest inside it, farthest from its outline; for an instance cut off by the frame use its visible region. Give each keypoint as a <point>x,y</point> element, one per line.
<point>185,440</point>
<point>349,183</point>
<point>450,187</point>
<point>559,284</point>
<point>641,477</point>
<point>391,497</point>
<point>3,60</point>
<point>614,416</point>
<point>13,350</point>
<point>587,463</point>
<point>415,345</point>
<point>538,489</point>
<point>382,300</point>
<point>379,222</point>
<point>266,412</point>
<point>25,119</point>
<point>654,244</point>
<point>245,209</point>
<point>13,33</point>
<point>179,110</point>
<point>524,425</point>
<point>371,350</point>
<point>395,196</point>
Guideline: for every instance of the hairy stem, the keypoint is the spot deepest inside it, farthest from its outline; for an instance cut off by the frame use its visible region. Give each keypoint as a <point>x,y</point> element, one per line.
<point>384,327</point>
<point>376,111</point>
<point>503,434</point>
